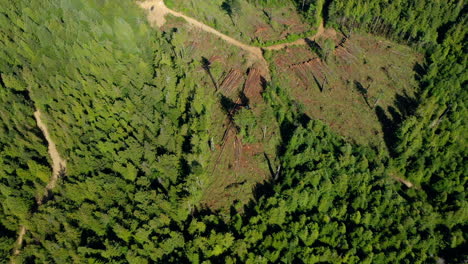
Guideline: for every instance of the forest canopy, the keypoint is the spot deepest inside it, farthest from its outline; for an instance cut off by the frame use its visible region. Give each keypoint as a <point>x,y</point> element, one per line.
<point>133,111</point>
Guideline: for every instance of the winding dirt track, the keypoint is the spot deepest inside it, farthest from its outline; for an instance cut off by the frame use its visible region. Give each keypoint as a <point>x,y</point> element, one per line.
<point>58,164</point>
<point>58,167</point>
<point>19,242</point>
<point>157,11</point>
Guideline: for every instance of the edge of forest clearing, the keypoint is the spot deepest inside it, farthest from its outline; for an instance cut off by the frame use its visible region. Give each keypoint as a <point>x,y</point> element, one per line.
<point>157,10</point>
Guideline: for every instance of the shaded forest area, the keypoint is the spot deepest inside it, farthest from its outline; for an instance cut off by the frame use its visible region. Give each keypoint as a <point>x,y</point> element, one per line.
<point>130,111</point>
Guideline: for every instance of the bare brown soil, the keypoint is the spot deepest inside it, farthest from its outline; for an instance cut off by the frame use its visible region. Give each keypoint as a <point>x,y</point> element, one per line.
<point>253,87</point>
<point>19,242</point>
<point>58,164</point>
<point>260,29</point>
<point>307,71</point>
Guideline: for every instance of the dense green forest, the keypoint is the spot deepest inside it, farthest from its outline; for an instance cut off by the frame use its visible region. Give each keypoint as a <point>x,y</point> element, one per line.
<point>131,112</point>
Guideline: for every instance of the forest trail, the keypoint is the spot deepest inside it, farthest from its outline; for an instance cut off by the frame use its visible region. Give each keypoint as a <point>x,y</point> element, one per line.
<point>58,167</point>
<point>19,242</point>
<point>158,10</point>
<point>58,164</point>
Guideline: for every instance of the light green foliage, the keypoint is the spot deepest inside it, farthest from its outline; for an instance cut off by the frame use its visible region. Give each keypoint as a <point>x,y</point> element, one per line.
<point>126,107</point>
<point>119,109</point>
<point>431,145</point>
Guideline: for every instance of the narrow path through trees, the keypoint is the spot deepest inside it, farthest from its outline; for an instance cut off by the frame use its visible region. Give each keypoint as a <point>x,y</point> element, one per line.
<point>58,164</point>
<point>58,168</point>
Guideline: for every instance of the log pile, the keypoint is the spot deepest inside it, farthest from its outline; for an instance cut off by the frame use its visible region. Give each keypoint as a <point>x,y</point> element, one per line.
<point>230,82</point>
<point>253,87</point>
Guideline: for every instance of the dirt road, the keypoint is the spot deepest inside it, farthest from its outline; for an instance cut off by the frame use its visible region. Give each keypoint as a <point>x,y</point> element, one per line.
<point>158,10</point>
<point>58,167</point>
<point>58,164</point>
